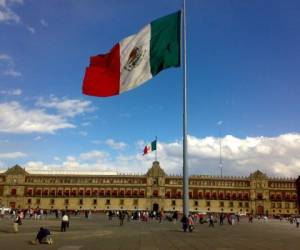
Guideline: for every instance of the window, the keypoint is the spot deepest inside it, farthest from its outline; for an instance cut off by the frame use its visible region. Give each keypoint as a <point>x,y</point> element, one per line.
<point>121,202</point>
<point>155,193</point>
<point>13,191</point>
<point>221,204</point>
<point>95,201</point>
<point>52,202</point>
<point>230,204</point>
<point>195,203</point>
<point>173,203</point>
<point>278,205</point>
<point>273,205</point>
<point>240,204</point>
<point>168,194</point>
<point>38,201</point>
<point>80,201</point>
<point>29,201</point>
<point>208,203</point>
<point>259,196</point>
<point>287,205</point>
<point>135,202</point>
<point>66,201</point>
<point>107,202</point>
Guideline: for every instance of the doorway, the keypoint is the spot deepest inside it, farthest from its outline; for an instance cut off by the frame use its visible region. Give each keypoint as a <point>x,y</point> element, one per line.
<point>260,210</point>
<point>12,205</point>
<point>155,207</point>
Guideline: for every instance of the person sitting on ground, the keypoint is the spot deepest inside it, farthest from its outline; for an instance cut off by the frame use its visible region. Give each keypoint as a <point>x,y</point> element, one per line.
<point>43,237</point>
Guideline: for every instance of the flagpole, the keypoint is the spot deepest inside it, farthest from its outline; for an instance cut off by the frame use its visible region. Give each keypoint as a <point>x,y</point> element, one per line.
<point>156,149</point>
<point>185,162</point>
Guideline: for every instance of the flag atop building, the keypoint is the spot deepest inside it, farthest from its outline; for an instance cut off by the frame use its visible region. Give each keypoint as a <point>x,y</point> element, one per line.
<point>150,147</point>
<point>135,59</point>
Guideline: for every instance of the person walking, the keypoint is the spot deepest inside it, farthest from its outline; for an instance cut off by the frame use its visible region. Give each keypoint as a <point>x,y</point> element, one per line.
<point>175,217</point>
<point>211,221</point>
<point>191,223</point>
<point>64,222</point>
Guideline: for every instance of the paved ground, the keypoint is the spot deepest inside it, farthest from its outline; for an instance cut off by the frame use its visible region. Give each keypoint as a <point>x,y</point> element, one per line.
<point>99,233</point>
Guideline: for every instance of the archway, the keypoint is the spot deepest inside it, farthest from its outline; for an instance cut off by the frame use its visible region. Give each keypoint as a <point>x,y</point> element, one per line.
<point>260,210</point>
<point>155,207</point>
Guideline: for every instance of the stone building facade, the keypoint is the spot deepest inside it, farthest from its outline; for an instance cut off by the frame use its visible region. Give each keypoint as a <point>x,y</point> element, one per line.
<point>257,193</point>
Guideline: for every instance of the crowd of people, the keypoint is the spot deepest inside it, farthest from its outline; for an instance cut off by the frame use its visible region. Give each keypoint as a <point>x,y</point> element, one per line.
<point>188,223</point>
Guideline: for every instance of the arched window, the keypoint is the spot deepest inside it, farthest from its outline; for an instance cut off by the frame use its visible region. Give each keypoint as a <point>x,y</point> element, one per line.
<point>13,191</point>
<point>200,195</point>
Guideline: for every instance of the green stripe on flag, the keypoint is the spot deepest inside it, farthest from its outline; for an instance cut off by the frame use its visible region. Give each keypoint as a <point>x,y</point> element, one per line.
<point>165,43</point>
<point>153,145</point>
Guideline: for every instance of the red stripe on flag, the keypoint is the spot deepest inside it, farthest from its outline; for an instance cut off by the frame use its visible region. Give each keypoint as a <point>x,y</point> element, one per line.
<point>145,150</point>
<point>102,77</point>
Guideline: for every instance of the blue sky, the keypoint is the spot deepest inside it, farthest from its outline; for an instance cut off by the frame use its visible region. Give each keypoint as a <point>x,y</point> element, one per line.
<point>243,70</point>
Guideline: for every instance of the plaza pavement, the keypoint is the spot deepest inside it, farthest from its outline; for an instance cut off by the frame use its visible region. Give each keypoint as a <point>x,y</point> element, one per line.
<point>99,233</point>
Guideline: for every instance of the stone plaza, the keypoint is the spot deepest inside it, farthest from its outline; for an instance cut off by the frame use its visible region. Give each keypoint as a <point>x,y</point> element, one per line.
<point>100,233</point>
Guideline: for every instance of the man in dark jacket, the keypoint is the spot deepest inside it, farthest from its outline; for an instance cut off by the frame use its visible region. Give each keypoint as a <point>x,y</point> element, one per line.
<point>43,236</point>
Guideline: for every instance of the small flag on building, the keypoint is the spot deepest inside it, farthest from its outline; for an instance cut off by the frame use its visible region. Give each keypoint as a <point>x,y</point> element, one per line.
<point>150,147</point>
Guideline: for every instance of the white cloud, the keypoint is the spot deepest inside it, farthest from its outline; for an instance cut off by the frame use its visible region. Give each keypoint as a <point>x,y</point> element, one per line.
<point>96,141</point>
<point>66,107</point>
<point>276,156</point>
<point>30,29</point>
<point>12,72</point>
<point>220,123</point>
<point>115,145</point>
<point>7,15</point>
<point>7,66</point>
<point>56,158</point>
<point>17,119</point>
<point>12,155</point>
<point>83,133</point>
<point>94,155</point>
<point>5,57</point>
<point>15,92</point>
<point>85,124</point>
<point>37,138</point>
<point>43,23</point>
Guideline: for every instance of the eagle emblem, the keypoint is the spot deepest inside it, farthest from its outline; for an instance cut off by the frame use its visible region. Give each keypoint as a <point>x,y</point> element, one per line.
<point>135,58</point>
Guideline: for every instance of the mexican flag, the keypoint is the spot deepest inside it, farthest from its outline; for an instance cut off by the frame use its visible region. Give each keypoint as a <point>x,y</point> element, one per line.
<point>150,147</point>
<point>135,59</point>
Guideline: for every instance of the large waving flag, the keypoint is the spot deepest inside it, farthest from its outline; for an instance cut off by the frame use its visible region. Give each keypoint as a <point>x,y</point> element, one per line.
<point>135,59</point>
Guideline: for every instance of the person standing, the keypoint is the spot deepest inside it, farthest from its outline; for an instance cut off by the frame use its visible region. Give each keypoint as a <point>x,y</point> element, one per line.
<point>64,222</point>
<point>221,219</point>
<point>184,221</point>
<point>16,223</point>
<point>121,217</point>
<point>297,222</point>
<point>2,212</point>
<point>211,221</point>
